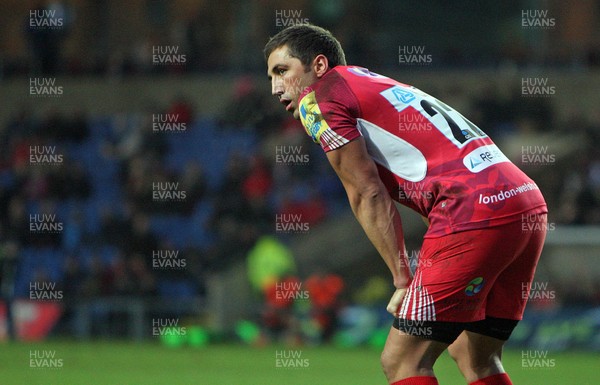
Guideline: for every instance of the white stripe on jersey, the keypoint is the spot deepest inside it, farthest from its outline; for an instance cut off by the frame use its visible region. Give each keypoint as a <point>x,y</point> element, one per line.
<point>332,139</point>
<point>418,302</point>
<point>393,152</point>
<point>405,303</point>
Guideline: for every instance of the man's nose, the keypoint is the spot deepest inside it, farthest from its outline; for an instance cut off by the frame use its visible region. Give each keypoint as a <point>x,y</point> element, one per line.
<point>277,87</point>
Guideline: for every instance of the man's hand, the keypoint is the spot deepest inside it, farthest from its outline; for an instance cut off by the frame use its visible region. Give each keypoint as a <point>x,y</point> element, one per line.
<point>393,306</point>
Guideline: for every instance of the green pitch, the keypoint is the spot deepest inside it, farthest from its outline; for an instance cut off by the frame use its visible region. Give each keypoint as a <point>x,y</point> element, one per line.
<point>116,363</point>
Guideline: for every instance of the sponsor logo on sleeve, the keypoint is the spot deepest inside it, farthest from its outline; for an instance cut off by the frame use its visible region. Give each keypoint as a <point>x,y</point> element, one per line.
<point>311,117</point>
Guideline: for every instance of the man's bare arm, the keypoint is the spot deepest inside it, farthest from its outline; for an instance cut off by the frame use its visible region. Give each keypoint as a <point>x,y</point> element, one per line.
<point>372,206</point>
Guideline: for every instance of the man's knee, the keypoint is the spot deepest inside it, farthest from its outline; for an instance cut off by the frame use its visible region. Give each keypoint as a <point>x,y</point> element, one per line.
<point>406,356</point>
<point>387,362</point>
<point>458,351</point>
<point>476,356</point>
<point>391,359</point>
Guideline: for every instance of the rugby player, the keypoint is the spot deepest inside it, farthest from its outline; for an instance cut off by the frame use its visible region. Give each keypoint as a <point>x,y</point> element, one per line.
<point>390,141</point>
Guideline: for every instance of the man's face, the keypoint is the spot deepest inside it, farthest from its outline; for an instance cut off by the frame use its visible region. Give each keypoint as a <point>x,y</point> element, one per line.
<point>288,78</point>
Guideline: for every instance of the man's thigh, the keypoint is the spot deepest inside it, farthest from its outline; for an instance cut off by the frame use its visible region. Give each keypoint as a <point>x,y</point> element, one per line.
<point>456,274</point>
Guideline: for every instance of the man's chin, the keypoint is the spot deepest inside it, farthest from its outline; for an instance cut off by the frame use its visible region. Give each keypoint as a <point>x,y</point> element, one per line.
<point>296,114</point>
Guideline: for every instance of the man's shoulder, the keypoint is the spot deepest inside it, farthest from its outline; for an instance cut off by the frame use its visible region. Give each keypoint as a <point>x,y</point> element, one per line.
<point>357,77</point>
<point>347,74</point>
<point>329,87</point>
<point>336,75</point>
<point>344,79</point>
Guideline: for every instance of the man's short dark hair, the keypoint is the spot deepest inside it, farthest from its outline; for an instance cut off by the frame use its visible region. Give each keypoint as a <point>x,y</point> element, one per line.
<point>305,42</point>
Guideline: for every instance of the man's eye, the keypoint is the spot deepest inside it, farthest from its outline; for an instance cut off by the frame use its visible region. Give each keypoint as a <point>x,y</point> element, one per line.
<point>281,71</point>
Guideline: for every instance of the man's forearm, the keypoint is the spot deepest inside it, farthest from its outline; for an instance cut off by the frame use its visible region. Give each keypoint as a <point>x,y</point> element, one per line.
<point>372,206</point>
<point>381,221</point>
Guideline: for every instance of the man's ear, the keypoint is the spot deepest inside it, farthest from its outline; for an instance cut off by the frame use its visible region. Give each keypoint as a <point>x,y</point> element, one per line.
<point>320,65</point>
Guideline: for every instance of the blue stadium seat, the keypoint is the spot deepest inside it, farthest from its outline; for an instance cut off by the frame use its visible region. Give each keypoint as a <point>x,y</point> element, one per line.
<point>171,228</point>
<point>179,289</point>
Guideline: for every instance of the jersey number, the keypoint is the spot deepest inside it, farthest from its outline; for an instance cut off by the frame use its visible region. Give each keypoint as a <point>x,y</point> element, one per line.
<point>462,129</point>
<point>457,128</point>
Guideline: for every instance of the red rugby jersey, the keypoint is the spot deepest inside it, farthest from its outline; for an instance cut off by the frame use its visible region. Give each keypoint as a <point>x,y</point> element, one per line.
<point>429,157</point>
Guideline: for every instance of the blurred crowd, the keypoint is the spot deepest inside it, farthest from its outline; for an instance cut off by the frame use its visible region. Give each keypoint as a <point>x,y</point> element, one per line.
<point>96,39</point>
<point>95,177</point>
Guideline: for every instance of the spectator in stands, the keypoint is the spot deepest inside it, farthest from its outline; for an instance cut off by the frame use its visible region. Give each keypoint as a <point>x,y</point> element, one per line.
<point>142,278</point>
<point>193,182</point>
<point>51,226</point>
<point>258,183</point>
<point>241,212</point>
<point>114,229</point>
<point>133,136</point>
<point>324,290</point>
<point>204,35</point>
<point>229,198</point>
<point>15,224</point>
<point>278,318</point>
<point>73,232</point>
<point>99,279</point>
<point>73,279</point>
<point>70,180</point>
<point>35,186</point>
<point>247,108</point>
<point>122,284</point>
<point>182,109</point>
<point>493,110</point>
<point>304,200</point>
<point>75,127</point>
<point>143,241</point>
<point>46,34</point>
